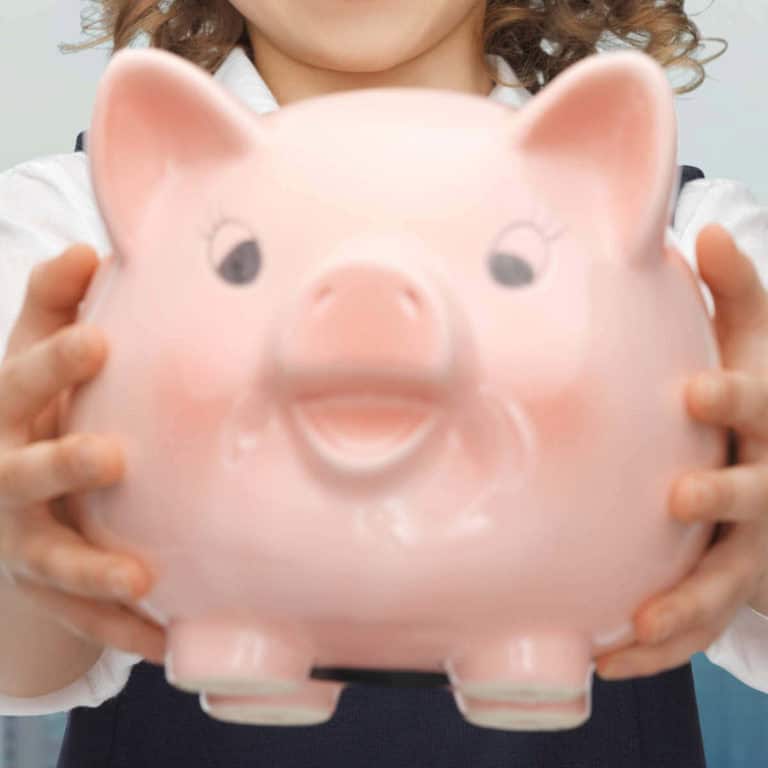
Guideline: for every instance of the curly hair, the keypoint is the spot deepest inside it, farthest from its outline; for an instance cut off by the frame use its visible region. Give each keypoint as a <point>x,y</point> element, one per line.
<point>539,38</point>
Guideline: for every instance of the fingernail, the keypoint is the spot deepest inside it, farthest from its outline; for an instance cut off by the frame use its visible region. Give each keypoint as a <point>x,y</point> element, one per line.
<point>663,626</point>
<point>708,390</point>
<point>700,495</point>
<point>90,456</point>
<point>78,344</point>
<point>120,584</point>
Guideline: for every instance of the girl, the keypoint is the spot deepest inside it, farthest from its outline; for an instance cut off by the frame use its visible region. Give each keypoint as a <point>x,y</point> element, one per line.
<point>70,640</point>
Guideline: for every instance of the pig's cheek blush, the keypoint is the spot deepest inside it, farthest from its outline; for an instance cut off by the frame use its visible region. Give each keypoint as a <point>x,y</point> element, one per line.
<point>182,415</point>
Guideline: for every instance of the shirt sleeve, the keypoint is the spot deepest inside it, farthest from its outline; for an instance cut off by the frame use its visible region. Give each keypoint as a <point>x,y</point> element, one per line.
<point>730,204</point>
<point>742,648</point>
<point>46,206</point>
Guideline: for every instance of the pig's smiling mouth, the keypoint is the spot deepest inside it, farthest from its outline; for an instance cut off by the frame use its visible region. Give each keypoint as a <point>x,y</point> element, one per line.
<point>365,432</point>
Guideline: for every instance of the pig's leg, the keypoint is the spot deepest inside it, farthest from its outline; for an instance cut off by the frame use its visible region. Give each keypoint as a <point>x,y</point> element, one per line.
<point>525,716</point>
<point>314,703</point>
<point>236,657</point>
<point>532,667</point>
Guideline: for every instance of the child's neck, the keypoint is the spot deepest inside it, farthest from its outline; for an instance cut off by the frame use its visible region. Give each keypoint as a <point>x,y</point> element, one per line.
<point>455,63</point>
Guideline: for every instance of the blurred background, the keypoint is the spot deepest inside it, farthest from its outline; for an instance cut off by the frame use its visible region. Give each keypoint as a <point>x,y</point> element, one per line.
<point>48,98</point>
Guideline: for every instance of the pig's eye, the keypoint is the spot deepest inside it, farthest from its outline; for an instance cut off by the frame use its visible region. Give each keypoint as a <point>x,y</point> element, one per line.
<point>519,256</point>
<point>242,264</point>
<point>510,269</point>
<point>234,252</point>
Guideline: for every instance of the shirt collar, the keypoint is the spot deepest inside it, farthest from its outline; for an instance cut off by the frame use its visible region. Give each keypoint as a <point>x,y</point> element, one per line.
<point>512,95</point>
<point>241,78</point>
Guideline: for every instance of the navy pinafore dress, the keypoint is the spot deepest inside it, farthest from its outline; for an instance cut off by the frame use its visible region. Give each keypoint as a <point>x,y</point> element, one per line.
<point>387,721</point>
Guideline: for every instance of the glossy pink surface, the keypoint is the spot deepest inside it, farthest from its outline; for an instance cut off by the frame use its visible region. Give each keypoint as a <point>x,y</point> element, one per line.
<point>399,378</point>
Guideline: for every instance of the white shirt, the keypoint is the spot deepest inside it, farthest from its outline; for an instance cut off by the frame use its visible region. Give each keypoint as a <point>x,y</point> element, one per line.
<point>47,204</point>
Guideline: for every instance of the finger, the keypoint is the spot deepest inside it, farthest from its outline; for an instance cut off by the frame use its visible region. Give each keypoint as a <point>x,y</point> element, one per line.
<point>734,494</point>
<point>68,510</point>
<point>109,624</point>
<point>54,290</point>
<point>710,595</point>
<point>645,660</point>
<point>31,379</point>
<point>51,422</point>
<point>740,301</point>
<point>45,425</point>
<point>50,554</point>
<point>730,398</point>
<point>44,470</point>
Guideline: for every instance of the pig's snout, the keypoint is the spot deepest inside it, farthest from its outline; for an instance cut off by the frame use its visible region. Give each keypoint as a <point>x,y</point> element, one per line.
<point>371,317</point>
<point>366,362</point>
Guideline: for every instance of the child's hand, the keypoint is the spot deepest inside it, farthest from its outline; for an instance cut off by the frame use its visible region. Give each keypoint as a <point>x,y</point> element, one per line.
<point>41,553</point>
<point>689,618</point>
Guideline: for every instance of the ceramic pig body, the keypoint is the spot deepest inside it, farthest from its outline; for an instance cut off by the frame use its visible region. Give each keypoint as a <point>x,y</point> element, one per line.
<point>399,380</point>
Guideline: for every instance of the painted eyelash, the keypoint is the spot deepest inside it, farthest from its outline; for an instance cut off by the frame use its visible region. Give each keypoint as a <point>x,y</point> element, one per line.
<point>544,222</point>
<point>537,215</point>
<point>546,227</point>
<point>218,220</point>
<point>549,228</point>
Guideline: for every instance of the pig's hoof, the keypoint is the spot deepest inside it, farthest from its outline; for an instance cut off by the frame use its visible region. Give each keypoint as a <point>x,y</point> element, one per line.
<point>525,716</point>
<point>235,658</point>
<point>314,703</point>
<point>531,668</point>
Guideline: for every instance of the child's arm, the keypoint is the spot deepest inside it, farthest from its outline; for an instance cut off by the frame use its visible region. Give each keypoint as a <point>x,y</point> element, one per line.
<point>713,608</point>
<point>59,604</point>
<point>45,206</point>
<point>44,668</point>
<point>37,654</point>
<point>759,601</point>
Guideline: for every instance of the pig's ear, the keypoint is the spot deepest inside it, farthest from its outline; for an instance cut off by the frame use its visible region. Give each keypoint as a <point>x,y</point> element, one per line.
<point>600,142</point>
<point>157,120</point>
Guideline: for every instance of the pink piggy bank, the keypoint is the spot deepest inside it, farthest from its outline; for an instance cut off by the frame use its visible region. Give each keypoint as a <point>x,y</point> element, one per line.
<point>399,379</point>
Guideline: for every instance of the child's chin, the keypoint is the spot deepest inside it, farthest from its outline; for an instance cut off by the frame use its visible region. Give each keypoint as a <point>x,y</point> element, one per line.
<point>365,54</point>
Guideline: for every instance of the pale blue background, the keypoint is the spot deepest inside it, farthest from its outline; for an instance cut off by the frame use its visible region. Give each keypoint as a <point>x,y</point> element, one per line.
<point>47,99</point>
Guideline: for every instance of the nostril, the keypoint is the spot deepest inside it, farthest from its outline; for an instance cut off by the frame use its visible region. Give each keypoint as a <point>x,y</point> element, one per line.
<point>323,296</point>
<point>410,302</point>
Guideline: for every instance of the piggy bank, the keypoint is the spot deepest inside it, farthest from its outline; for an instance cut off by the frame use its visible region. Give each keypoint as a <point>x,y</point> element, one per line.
<point>399,379</point>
